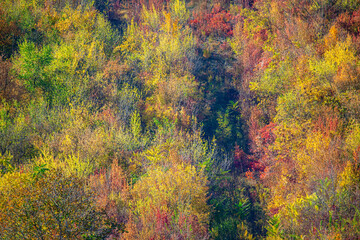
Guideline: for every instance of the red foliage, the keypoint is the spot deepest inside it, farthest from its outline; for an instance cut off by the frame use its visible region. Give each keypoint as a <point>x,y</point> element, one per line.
<point>249,175</point>
<point>328,122</point>
<point>218,22</point>
<point>267,135</point>
<point>356,161</point>
<point>243,161</point>
<point>350,22</point>
<point>162,220</point>
<point>10,88</point>
<point>107,115</point>
<point>274,211</point>
<point>253,58</point>
<point>105,183</point>
<point>169,226</point>
<point>254,119</point>
<point>258,163</point>
<point>327,125</point>
<point>256,166</point>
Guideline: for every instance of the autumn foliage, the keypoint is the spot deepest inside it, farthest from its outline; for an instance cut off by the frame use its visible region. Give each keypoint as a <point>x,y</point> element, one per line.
<point>172,119</point>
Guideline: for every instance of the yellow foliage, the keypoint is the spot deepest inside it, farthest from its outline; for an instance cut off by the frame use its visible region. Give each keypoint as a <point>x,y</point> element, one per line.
<point>45,207</point>
<point>237,41</point>
<point>332,38</point>
<point>347,177</point>
<point>313,157</point>
<point>244,233</point>
<point>178,11</point>
<point>161,155</point>
<point>161,44</point>
<point>167,25</point>
<point>132,42</point>
<point>347,76</point>
<point>151,18</point>
<point>353,138</point>
<point>339,54</point>
<point>71,164</point>
<point>72,20</point>
<point>179,190</point>
<point>289,138</point>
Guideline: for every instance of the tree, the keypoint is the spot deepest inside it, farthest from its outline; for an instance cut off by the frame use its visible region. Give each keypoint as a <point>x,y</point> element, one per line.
<point>45,204</point>
<point>169,204</point>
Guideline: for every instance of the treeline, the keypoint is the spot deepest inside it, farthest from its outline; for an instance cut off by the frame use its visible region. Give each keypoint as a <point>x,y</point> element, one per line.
<point>171,119</point>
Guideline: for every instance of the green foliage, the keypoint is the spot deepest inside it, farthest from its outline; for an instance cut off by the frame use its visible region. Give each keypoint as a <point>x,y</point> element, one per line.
<point>244,208</point>
<point>229,131</point>
<point>112,127</point>
<point>135,125</point>
<point>293,105</point>
<point>125,101</point>
<point>236,215</point>
<point>5,163</point>
<point>23,14</point>
<point>348,5</point>
<point>273,228</point>
<point>39,171</point>
<point>15,134</point>
<point>275,78</point>
<point>69,165</point>
<point>31,68</point>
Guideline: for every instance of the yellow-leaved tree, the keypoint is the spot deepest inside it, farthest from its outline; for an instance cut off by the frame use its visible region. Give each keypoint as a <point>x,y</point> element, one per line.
<point>169,204</point>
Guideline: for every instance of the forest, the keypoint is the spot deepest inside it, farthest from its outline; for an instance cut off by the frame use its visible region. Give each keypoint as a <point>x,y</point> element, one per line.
<point>179,119</point>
